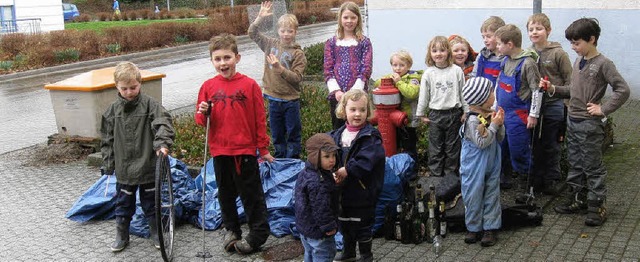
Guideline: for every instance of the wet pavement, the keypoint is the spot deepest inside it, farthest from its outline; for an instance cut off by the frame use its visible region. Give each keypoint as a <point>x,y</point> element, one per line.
<point>36,198</point>
<point>27,112</point>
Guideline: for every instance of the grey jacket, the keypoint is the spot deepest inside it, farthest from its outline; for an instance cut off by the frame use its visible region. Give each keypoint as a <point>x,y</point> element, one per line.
<point>131,132</point>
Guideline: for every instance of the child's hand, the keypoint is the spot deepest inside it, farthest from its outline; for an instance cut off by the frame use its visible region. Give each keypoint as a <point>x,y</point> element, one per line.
<point>463,117</point>
<point>395,77</point>
<point>340,175</point>
<point>531,122</point>
<point>594,109</point>
<point>265,9</point>
<point>498,117</point>
<point>275,63</point>
<point>339,95</point>
<point>202,107</point>
<point>330,233</point>
<point>268,158</point>
<point>163,151</point>
<point>546,85</point>
<point>425,120</point>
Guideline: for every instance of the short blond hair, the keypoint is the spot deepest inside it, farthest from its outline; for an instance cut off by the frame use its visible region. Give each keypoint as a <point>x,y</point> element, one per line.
<point>126,71</point>
<point>491,24</point>
<point>541,19</point>
<point>404,56</point>
<point>442,42</point>
<point>353,95</point>
<point>288,20</point>
<point>510,33</point>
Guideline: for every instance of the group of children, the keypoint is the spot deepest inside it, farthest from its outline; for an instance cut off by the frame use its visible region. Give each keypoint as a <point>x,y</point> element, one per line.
<point>480,116</point>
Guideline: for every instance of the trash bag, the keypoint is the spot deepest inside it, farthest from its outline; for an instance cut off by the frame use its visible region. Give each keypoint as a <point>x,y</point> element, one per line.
<point>97,203</point>
<point>278,182</point>
<point>399,169</point>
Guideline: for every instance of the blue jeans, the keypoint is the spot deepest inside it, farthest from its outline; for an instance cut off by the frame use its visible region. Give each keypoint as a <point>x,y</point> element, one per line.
<point>318,249</point>
<point>286,128</point>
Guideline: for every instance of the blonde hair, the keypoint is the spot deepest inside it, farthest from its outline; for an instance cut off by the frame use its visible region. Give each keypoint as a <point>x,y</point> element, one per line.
<point>125,72</point>
<point>354,8</point>
<point>541,19</point>
<point>510,33</point>
<point>491,24</point>
<point>223,41</point>
<point>442,42</point>
<point>404,56</point>
<point>288,20</point>
<point>353,95</point>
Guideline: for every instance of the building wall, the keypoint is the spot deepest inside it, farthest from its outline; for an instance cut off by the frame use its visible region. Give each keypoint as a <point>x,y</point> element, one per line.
<point>49,11</point>
<point>411,24</point>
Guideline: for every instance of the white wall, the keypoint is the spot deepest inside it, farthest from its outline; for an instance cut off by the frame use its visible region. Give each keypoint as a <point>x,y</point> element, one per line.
<point>49,11</point>
<point>411,24</point>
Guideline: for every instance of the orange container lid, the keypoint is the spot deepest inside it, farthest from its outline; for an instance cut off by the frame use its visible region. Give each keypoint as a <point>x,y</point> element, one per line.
<point>96,80</point>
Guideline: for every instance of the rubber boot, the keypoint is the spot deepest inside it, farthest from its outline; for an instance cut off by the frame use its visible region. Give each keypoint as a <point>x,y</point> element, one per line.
<point>153,231</point>
<point>348,250</point>
<point>122,234</point>
<point>365,250</point>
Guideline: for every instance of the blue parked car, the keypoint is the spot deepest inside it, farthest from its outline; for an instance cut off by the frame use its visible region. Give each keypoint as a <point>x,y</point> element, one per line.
<point>70,11</point>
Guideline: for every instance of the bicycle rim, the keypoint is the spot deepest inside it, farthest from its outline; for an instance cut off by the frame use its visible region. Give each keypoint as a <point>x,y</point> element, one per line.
<point>165,214</point>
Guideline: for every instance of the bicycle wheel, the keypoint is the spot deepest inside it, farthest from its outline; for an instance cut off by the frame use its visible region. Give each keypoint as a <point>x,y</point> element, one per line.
<point>165,214</point>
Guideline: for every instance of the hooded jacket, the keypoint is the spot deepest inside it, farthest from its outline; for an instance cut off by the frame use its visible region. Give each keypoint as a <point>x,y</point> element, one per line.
<point>132,132</point>
<point>285,85</point>
<point>554,62</point>
<point>316,197</point>
<point>365,163</point>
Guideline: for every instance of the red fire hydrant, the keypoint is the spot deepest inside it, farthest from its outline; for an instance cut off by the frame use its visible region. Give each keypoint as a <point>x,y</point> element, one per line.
<point>387,116</point>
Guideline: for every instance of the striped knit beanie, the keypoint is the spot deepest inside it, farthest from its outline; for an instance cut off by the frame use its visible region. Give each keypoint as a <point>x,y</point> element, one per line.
<point>476,90</point>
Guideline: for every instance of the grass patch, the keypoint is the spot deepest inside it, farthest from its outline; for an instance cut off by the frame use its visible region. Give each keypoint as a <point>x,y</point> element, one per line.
<point>100,26</point>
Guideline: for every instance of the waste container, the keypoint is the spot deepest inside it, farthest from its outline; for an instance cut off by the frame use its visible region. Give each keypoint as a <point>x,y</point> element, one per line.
<point>79,101</point>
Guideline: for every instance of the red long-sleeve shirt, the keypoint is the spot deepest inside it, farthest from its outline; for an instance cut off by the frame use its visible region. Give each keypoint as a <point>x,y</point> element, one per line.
<point>238,118</point>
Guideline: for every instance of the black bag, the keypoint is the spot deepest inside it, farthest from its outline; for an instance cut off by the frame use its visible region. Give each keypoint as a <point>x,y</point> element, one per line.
<point>448,188</point>
<point>521,216</point>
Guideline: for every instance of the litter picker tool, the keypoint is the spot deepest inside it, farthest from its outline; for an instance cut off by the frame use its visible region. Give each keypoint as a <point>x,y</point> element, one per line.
<point>205,254</point>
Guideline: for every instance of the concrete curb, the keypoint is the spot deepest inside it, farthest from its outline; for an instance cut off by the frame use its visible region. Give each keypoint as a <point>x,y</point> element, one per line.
<point>146,55</point>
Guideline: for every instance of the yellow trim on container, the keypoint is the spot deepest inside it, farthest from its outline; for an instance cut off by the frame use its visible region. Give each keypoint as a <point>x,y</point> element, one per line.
<point>96,80</point>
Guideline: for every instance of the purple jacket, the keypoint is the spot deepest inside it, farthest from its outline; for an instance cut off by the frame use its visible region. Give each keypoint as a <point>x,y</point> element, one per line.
<point>348,63</point>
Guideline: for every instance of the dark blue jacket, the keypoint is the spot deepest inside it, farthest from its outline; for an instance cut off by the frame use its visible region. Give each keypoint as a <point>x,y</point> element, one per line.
<point>316,202</point>
<point>365,162</point>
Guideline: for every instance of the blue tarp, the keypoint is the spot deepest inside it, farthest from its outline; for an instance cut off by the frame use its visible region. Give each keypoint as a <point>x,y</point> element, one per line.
<point>278,182</point>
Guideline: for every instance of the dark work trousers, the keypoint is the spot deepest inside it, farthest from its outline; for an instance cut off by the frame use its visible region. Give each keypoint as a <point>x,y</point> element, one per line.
<point>507,169</point>
<point>356,224</point>
<point>335,121</point>
<point>584,154</point>
<point>126,200</point>
<point>444,141</point>
<point>407,141</point>
<point>546,150</point>
<point>240,176</point>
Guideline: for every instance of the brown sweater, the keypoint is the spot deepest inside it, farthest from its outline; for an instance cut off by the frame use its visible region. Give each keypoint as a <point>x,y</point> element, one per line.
<point>285,85</point>
<point>589,86</point>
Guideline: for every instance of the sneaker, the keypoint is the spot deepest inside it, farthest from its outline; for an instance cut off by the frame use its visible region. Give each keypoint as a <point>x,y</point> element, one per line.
<point>229,240</point>
<point>243,247</point>
<point>488,238</point>
<point>472,237</point>
<point>574,205</point>
<point>596,215</point>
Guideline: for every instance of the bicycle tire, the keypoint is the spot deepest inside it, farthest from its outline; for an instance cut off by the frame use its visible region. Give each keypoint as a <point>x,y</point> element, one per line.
<point>165,213</point>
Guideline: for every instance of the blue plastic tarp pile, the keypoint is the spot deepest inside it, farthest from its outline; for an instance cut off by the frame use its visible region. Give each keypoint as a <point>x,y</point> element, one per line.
<point>278,183</point>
